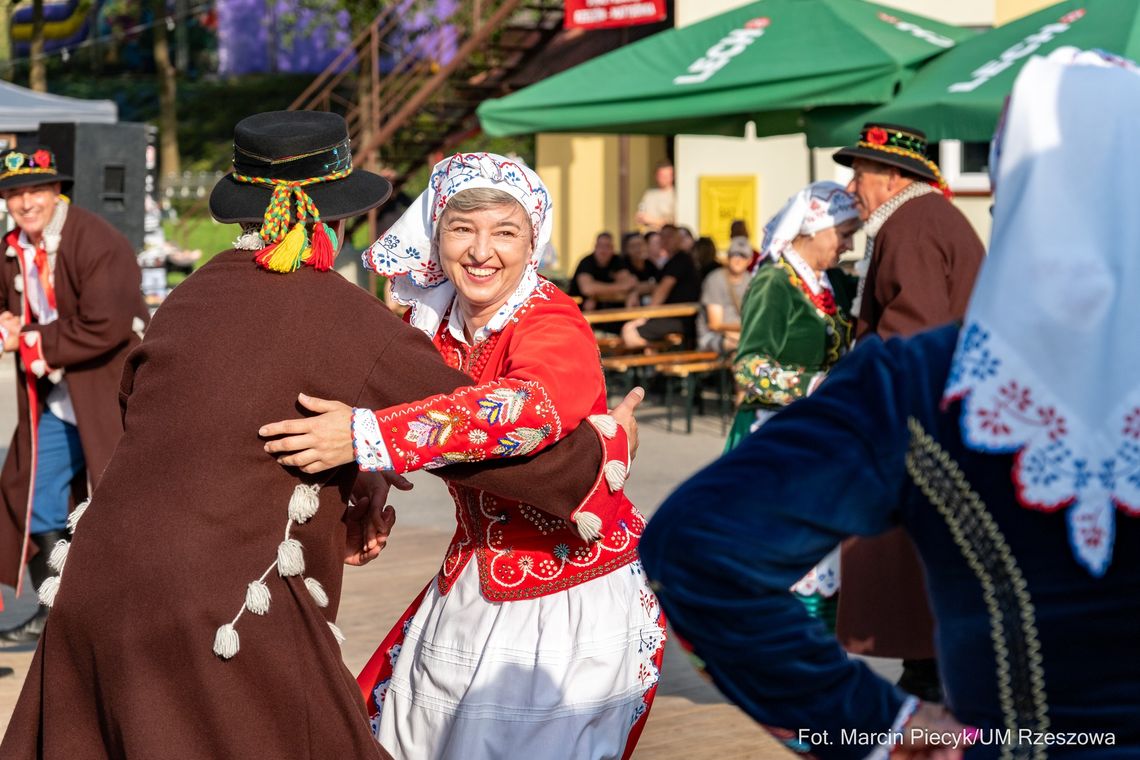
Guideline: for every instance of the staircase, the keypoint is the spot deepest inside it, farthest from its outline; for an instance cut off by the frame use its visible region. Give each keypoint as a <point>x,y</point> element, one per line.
<point>409,92</point>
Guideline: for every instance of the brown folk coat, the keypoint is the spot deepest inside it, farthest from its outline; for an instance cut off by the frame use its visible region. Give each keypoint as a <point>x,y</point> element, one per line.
<point>97,281</point>
<point>191,510</point>
<point>923,265</point>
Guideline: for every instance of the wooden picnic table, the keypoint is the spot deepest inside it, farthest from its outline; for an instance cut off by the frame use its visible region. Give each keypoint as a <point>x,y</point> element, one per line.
<point>601,316</point>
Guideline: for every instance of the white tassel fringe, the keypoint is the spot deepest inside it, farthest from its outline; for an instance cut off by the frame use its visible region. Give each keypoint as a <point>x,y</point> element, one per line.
<point>589,525</point>
<point>48,591</point>
<point>605,423</point>
<point>303,503</point>
<point>76,515</point>
<point>337,633</point>
<point>616,473</point>
<point>257,598</point>
<point>290,558</point>
<point>226,641</point>
<point>317,591</point>
<point>58,556</point>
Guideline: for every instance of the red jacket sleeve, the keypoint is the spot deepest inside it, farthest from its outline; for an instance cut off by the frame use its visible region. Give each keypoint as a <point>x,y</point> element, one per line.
<point>552,381</point>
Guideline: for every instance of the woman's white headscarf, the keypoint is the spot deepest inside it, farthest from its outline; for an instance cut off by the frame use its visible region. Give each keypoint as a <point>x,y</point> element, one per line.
<point>818,206</point>
<point>408,253</point>
<point>1047,362</point>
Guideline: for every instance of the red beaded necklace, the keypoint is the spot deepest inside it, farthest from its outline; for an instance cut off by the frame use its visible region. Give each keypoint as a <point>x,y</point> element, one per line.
<point>824,300</point>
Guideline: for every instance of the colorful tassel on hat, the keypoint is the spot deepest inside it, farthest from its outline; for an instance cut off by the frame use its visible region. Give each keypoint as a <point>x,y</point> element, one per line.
<point>286,255</point>
<point>322,251</point>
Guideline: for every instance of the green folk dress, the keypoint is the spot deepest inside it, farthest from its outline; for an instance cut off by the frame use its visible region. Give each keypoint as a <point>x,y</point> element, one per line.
<point>790,338</point>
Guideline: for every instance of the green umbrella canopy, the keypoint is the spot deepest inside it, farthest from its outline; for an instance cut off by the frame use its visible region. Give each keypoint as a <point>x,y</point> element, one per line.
<point>960,95</point>
<point>766,62</point>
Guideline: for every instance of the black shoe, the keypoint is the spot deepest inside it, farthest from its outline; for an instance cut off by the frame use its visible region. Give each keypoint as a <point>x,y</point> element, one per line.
<point>6,672</point>
<point>920,678</point>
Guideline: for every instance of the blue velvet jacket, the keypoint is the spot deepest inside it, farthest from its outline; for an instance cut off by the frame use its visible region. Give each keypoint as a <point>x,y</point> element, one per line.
<point>1027,640</point>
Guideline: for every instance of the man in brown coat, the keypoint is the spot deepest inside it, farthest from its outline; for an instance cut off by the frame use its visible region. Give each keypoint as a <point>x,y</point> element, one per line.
<point>72,310</point>
<point>922,259</point>
<point>195,618</point>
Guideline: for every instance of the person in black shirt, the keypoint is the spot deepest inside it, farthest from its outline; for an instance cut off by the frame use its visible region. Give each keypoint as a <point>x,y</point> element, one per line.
<point>602,277</point>
<point>679,283</point>
<point>635,254</point>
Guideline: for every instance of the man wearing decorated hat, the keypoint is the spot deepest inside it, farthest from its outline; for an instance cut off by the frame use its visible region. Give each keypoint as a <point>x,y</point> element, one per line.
<point>196,614</point>
<point>71,308</point>
<point>921,259</point>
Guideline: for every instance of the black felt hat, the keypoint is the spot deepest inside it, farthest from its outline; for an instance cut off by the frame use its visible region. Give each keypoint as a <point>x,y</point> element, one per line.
<point>295,146</point>
<point>894,145</point>
<point>27,167</point>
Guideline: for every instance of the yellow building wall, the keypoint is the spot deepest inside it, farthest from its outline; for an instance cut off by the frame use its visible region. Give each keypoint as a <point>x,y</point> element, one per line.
<point>582,173</point>
<point>1008,10</point>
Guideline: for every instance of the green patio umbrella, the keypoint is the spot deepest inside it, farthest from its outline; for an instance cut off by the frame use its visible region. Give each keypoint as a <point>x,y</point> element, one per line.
<point>960,95</point>
<point>765,62</point>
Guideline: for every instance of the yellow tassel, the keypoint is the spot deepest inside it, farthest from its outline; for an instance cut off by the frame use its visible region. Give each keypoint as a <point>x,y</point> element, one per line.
<point>286,255</point>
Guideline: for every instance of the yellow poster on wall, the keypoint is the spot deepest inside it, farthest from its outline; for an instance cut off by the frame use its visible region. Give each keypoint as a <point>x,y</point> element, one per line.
<point>723,199</point>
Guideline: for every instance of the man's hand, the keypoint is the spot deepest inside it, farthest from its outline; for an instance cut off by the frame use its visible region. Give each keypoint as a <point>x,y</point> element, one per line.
<point>368,523</point>
<point>11,324</point>
<point>932,733</point>
<point>623,413</point>
<point>314,444</point>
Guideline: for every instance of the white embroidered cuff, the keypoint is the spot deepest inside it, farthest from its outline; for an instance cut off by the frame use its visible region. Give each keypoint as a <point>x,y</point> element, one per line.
<point>883,751</point>
<point>367,443</point>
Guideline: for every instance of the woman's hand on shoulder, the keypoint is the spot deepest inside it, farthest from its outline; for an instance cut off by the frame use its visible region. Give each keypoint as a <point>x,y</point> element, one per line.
<point>313,444</point>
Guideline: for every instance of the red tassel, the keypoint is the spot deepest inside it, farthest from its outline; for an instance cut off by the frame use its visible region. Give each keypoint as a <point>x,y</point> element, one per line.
<point>262,257</point>
<point>323,249</point>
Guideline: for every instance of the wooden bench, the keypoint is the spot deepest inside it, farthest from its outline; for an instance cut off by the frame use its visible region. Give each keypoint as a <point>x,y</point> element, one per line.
<point>602,316</point>
<point>626,363</point>
<point>690,374</point>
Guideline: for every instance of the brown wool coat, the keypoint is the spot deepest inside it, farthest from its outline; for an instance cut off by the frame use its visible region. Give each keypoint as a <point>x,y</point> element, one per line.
<point>923,266</point>
<point>191,509</point>
<point>97,282</point>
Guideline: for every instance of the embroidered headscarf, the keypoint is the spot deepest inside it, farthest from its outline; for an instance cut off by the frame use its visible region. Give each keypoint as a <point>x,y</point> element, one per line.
<point>408,253</point>
<point>1046,363</point>
<point>818,206</point>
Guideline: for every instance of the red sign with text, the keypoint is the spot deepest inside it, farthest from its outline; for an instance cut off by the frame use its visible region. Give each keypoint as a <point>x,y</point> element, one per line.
<point>609,14</point>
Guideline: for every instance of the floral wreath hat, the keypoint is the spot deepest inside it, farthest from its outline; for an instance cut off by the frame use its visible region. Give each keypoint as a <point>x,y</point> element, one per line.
<point>408,252</point>
<point>1052,375</point>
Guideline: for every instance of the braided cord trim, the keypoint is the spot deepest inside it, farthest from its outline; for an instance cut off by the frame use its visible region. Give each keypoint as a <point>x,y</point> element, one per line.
<point>933,167</point>
<point>279,213</point>
<point>1013,628</point>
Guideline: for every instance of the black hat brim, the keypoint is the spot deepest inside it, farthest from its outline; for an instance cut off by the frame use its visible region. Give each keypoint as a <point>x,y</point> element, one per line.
<point>30,180</point>
<point>847,156</point>
<point>232,201</point>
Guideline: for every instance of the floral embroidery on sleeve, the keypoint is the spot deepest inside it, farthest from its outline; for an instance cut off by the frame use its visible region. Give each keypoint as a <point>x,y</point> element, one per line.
<point>503,418</point>
<point>764,380</point>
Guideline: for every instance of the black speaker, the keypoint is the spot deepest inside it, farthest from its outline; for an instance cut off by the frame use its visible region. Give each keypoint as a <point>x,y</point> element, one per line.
<point>108,163</point>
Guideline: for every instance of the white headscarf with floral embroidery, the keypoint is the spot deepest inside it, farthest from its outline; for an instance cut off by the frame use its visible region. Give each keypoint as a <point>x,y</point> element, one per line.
<point>408,253</point>
<point>1046,363</point>
<point>817,207</point>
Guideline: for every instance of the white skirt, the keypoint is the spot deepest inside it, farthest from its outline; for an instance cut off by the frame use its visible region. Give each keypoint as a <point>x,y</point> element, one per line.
<point>561,676</point>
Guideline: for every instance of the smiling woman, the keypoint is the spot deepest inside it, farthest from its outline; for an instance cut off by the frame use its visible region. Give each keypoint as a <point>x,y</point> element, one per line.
<point>485,242</point>
<point>539,635</point>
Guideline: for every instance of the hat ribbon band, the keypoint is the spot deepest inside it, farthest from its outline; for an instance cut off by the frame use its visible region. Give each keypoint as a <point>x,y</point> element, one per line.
<point>933,167</point>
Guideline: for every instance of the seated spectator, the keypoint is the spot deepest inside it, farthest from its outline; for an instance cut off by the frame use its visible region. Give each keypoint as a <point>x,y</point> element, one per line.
<point>722,293</point>
<point>602,277</point>
<point>657,205</point>
<point>739,228</point>
<point>635,255</point>
<point>685,238</point>
<point>679,283</point>
<point>654,252</point>
<point>704,256</point>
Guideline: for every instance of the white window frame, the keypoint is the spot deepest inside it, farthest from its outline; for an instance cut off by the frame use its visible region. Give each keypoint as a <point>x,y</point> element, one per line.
<point>950,162</point>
